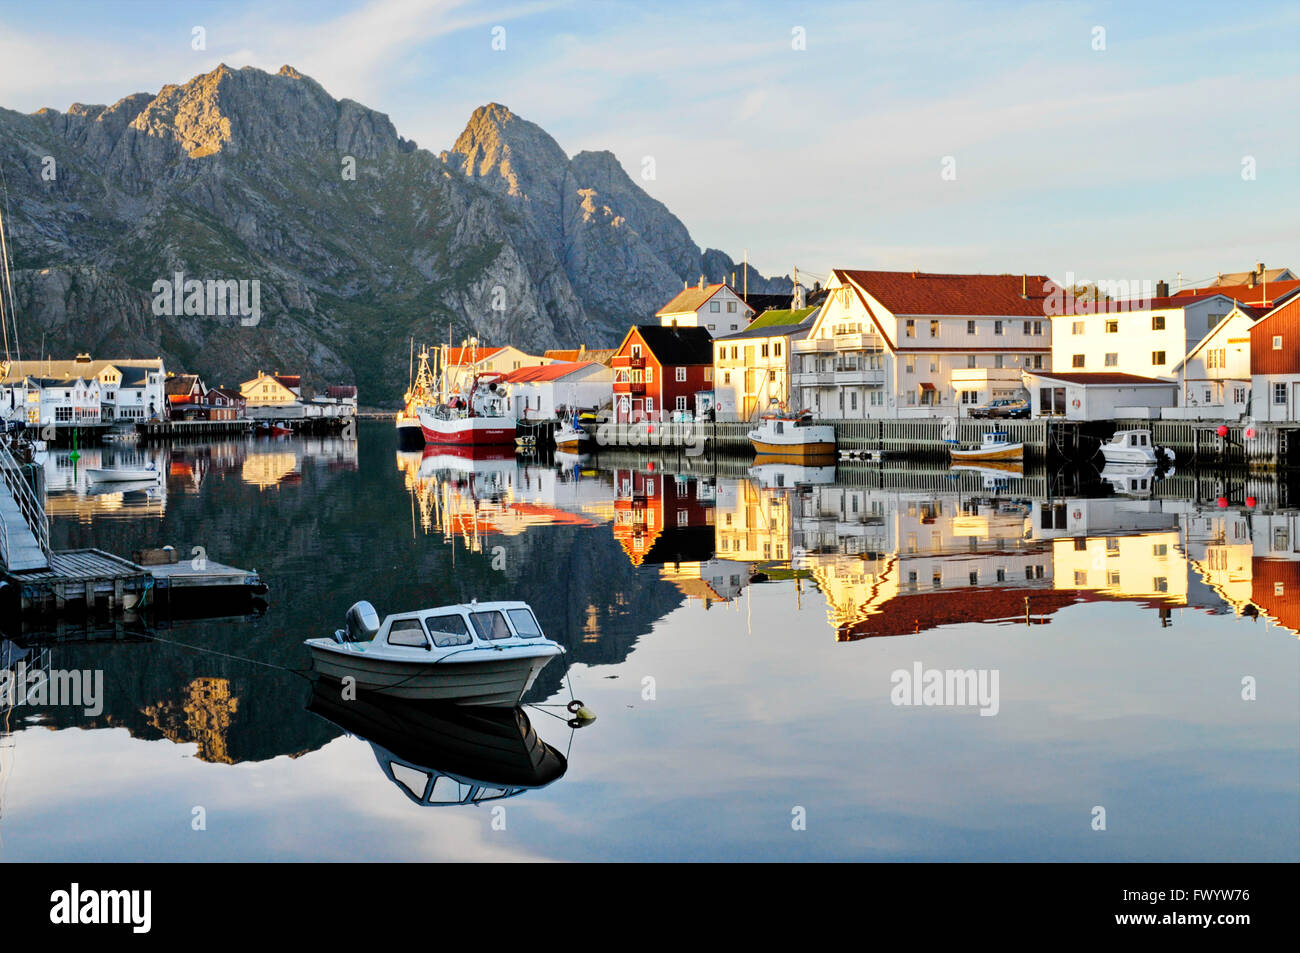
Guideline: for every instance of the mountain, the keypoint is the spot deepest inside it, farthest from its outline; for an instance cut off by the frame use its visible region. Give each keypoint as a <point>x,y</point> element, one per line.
<point>357,239</point>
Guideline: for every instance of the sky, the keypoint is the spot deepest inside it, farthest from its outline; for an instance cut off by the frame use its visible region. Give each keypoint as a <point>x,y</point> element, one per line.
<point>1071,139</point>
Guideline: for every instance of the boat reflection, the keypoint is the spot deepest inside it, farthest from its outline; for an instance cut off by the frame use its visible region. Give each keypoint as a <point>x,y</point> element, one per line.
<point>439,754</point>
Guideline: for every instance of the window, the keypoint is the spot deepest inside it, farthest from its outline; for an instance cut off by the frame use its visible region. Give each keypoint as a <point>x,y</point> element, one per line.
<point>649,376</point>
<point>726,377</point>
<point>681,403</point>
<point>934,365</point>
<point>735,352</point>
<point>763,351</point>
<point>1279,394</point>
<point>1112,327</point>
<point>525,624</point>
<point>997,360</point>
<point>853,400</point>
<point>1157,322</point>
<point>708,375</point>
<point>1239,395</point>
<point>971,360</point>
<point>970,327</point>
<point>911,365</point>
<point>1112,359</point>
<point>1077,361</point>
<point>997,327</point>
<point>934,329</point>
<point>910,328</point>
<point>1038,362</point>
<point>448,630</point>
<point>715,306</point>
<point>1277,342</point>
<point>62,413</point>
<point>490,625</point>
<point>636,352</point>
<point>1076,327</point>
<point>681,374</point>
<point>731,307</point>
<point>649,405</point>
<point>1157,357</point>
<point>776,349</point>
<point>407,632</point>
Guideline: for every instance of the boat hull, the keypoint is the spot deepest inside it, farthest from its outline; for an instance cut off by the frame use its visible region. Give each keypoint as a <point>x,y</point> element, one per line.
<point>467,431</point>
<point>795,451</point>
<point>1014,451</point>
<point>410,435</point>
<point>1140,456</point>
<point>100,475</point>
<point>497,681</point>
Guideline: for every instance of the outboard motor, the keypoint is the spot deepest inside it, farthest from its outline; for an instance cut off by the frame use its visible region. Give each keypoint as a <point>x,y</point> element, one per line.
<point>362,623</point>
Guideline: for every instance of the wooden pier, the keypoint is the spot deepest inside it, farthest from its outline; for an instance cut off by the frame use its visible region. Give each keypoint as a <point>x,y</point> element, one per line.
<point>1046,439</point>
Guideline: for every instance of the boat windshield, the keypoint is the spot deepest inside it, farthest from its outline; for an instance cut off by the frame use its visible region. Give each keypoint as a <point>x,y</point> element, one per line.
<point>525,624</point>
<point>447,630</point>
<point>490,625</point>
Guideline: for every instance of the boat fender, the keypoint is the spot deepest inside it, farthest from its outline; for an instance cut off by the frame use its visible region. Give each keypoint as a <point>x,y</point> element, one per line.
<point>574,706</point>
<point>584,717</point>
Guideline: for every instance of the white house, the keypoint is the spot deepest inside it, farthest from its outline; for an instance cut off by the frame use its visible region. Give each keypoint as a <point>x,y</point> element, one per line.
<point>1148,337</point>
<point>717,308</point>
<point>541,393</point>
<point>1103,395</point>
<point>1215,375</point>
<point>1275,364</point>
<point>60,392</point>
<point>911,344</point>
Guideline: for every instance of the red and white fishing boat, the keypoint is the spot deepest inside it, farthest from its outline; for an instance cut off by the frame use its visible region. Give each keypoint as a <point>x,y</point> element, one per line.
<point>474,418</point>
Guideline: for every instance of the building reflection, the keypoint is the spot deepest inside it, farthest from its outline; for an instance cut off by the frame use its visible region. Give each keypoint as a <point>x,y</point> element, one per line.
<point>888,561</point>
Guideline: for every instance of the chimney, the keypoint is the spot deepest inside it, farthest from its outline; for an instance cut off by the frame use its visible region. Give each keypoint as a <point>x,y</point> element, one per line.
<point>1024,287</point>
<point>701,282</point>
<point>1252,280</point>
<point>1259,269</point>
<point>1162,289</point>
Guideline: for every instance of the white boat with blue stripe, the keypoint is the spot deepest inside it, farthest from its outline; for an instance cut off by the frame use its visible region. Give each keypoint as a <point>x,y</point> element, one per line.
<point>481,653</point>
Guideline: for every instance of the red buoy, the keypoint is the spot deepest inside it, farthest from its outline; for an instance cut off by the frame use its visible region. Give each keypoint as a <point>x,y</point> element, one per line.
<point>1250,501</point>
<point>1223,502</point>
<point>1223,430</point>
<point>1250,433</point>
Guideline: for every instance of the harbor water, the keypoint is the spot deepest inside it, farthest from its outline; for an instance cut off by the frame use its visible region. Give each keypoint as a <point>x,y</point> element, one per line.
<point>784,664</point>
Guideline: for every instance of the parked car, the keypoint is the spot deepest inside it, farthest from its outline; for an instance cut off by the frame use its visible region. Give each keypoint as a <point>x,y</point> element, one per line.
<point>1003,407</point>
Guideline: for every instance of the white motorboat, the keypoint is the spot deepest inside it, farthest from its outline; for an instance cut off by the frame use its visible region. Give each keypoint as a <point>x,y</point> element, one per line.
<point>574,436</point>
<point>123,474</point>
<point>1132,479</point>
<point>996,445</point>
<point>793,435</point>
<point>1135,446</point>
<point>483,653</point>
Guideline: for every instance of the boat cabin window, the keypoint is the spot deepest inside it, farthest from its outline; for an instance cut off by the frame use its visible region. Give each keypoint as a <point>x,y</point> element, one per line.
<point>448,630</point>
<point>525,624</point>
<point>780,427</point>
<point>407,632</point>
<point>490,625</point>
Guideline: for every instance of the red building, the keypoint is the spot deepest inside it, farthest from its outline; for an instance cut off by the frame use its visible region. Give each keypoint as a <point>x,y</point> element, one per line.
<point>662,518</point>
<point>661,372</point>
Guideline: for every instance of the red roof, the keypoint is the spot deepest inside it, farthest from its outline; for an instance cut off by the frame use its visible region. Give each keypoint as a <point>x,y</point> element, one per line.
<point>1247,293</point>
<point>470,355</point>
<point>1100,377</point>
<point>907,614</point>
<point>341,390</point>
<point>291,381</point>
<point>920,293</point>
<point>547,372</point>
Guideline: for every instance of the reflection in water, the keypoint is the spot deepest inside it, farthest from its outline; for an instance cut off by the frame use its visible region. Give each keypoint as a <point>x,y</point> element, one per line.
<point>439,754</point>
<point>805,573</point>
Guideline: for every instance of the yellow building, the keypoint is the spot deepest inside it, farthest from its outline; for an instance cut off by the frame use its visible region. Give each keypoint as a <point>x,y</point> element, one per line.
<point>271,390</point>
<point>751,369</point>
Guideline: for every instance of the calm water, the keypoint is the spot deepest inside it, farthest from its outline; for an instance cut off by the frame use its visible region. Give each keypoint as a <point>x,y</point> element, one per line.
<point>739,715</point>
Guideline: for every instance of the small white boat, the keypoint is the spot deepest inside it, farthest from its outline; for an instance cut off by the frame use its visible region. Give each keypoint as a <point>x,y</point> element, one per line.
<point>995,474</point>
<point>1132,479</point>
<point>1135,446</point>
<point>483,653</point>
<point>793,435</point>
<point>572,437</point>
<point>779,473</point>
<point>995,445</point>
<point>123,474</point>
